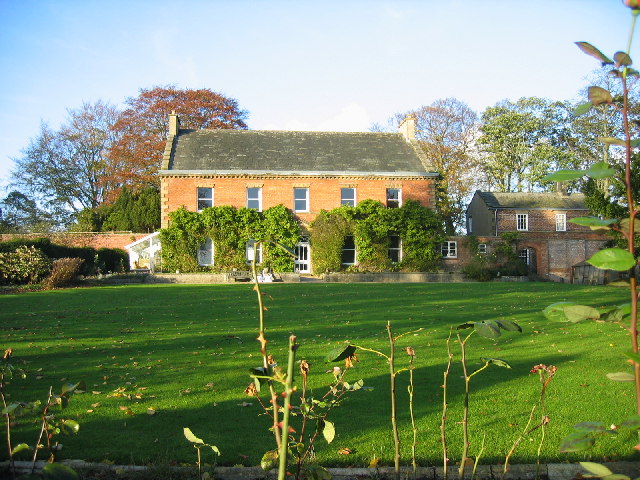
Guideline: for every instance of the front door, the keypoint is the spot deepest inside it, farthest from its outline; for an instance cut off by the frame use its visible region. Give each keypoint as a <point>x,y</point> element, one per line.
<point>302,263</point>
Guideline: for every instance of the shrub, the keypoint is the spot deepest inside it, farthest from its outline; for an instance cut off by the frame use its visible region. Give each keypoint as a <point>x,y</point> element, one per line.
<point>23,265</point>
<point>63,273</point>
<point>112,260</point>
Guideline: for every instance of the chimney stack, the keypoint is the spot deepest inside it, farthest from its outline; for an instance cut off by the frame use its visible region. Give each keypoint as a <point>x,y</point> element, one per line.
<point>408,128</point>
<point>174,124</point>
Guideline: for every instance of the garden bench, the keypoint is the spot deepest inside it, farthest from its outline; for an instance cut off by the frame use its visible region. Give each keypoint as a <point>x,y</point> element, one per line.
<point>240,276</point>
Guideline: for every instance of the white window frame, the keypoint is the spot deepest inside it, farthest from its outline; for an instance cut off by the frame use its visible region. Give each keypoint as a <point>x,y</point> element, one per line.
<point>449,249</point>
<point>254,199</point>
<point>355,253</point>
<point>306,199</point>
<point>204,250</point>
<point>344,200</point>
<point>522,222</point>
<point>482,248</point>
<point>202,198</point>
<point>398,249</point>
<point>561,222</point>
<point>250,250</point>
<point>393,200</point>
<point>524,254</point>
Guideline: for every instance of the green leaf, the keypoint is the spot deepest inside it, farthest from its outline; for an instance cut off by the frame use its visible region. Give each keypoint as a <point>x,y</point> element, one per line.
<point>57,471</point>
<point>635,142</point>
<point>71,426</point>
<point>625,224</point>
<point>328,431</point>
<point>632,422</point>
<point>589,49</point>
<point>593,222</point>
<point>599,96</point>
<point>215,449</point>
<point>313,471</point>
<point>269,460</point>
<point>19,448</point>
<point>596,469</point>
<point>576,442</point>
<point>600,170</point>
<point>340,353</point>
<point>621,377</point>
<point>577,313</point>
<point>622,59</point>
<point>633,356</point>
<point>290,251</point>
<point>612,141</point>
<point>498,362</point>
<point>583,427</point>
<point>509,326</point>
<point>563,175</point>
<point>11,407</point>
<point>613,259</point>
<point>582,109</point>
<point>555,311</point>
<point>188,434</point>
<point>487,330</point>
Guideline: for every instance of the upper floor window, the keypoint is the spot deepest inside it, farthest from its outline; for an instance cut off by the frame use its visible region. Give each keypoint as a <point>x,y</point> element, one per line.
<point>205,198</point>
<point>349,251</point>
<point>254,250</point>
<point>469,224</point>
<point>301,199</point>
<point>348,196</point>
<point>395,249</point>
<point>394,197</point>
<point>522,221</point>
<point>254,198</point>
<point>206,253</point>
<point>449,249</point>
<point>561,222</point>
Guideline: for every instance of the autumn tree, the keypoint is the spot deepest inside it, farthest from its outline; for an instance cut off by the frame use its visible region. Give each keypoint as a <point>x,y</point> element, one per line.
<point>142,129</point>
<point>64,170</point>
<point>20,214</point>
<point>446,130</point>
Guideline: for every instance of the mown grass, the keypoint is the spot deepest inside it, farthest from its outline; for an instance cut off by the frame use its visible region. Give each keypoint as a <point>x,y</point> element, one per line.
<point>185,351</point>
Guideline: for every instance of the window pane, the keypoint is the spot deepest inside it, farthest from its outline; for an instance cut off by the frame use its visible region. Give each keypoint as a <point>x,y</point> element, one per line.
<point>300,199</point>
<point>205,253</point>
<point>395,250</point>
<point>348,196</point>
<point>349,251</point>
<point>561,222</point>
<point>393,198</point>
<point>205,197</point>
<point>254,198</point>
<point>522,221</point>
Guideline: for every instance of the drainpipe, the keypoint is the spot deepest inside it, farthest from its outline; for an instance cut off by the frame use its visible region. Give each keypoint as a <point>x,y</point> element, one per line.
<point>495,220</point>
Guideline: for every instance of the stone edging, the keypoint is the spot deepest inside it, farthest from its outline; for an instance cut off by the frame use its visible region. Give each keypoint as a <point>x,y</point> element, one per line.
<point>552,471</point>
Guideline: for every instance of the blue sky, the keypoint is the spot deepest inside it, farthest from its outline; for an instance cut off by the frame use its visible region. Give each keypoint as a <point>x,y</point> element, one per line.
<point>300,65</point>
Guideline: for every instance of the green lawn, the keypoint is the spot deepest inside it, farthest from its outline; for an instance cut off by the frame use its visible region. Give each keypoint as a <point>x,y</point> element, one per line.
<point>185,351</point>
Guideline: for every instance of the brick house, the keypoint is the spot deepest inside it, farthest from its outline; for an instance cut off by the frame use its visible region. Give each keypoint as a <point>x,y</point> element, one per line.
<point>305,171</point>
<point>547,242</point>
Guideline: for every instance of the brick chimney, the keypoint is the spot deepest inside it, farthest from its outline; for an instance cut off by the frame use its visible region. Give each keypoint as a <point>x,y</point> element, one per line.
<point>408,128</point>
<point>174,124</point>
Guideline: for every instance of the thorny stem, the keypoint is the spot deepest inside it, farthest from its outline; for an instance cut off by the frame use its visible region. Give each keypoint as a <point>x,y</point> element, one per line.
<point>394,419</point>
<point>284,443</point>
<point>443,420</point>
<point>477,461</point>
<point>263,346</point>
<point>43,428</point>
<point>8,421</point>
<point>413,420</point>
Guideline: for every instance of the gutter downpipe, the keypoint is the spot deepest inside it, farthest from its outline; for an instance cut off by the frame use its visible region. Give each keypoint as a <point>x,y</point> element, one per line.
<point>495,220</point>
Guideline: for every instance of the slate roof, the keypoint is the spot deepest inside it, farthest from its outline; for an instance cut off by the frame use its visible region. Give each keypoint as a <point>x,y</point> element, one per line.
<point>530,201</point>
<point>292,152</point>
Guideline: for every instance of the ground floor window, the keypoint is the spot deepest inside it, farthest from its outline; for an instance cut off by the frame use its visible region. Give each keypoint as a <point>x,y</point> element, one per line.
<point>302,263</point>
<point>254,250</point>
<point>482,248</point>
<point>206,253</point>
<point>525,256</point>
<point>395,249</point>
<point>349,251</point>
<point>449,249</point>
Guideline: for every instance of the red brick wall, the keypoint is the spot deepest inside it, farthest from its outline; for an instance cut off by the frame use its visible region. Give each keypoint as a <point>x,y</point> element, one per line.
<point>540,220</point>
<point>84,239</point>
<point>324,193</point>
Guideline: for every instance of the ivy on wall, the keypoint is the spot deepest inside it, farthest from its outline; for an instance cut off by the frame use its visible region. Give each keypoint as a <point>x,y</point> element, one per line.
<point>372,225</point>
<point>230,229</point>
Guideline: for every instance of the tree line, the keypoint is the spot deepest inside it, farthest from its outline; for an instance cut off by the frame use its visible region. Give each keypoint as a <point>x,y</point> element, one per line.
<point>99,170</point>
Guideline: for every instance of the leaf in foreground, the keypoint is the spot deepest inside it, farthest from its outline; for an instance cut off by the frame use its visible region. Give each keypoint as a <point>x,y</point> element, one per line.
<point>328,431</point>
<point>496,361</point>
<point>596,469</point>
<point>269,460</point>
<point>621,377</point>
<point>340,353</point>
<point>487,330</point>
<point>613,259</point>
<point>188,434</point>
<point>57,471</point>
<point>576,442</point>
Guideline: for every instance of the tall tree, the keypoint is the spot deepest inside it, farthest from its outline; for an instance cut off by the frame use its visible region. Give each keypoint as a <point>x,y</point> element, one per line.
<point>20,214</point>
<point>64,170</point>
<point>142,128</point>
<point>446,130</point>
